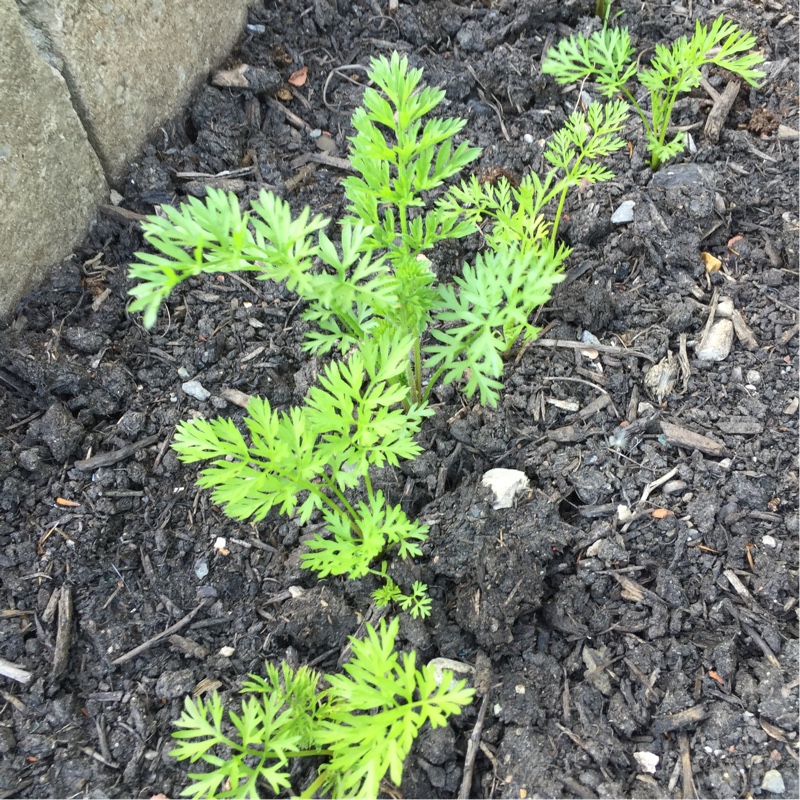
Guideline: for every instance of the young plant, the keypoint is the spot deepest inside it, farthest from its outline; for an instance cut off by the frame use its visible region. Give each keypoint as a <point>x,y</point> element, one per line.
<point>517,214</point>
<point>602,10</point>
<point>607,57</point>
<point>362,725</point>
<point>374,297</point>
<point>378,278</point>
<point>309,459</point>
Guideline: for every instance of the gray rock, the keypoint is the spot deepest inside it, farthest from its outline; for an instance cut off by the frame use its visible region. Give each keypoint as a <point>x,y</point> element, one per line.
<point>31,459</point>
<point>717,345</point>
<point>85,341</point>
<point>175,684</point>
<point>60,432</point>
<point>131,423</point>
<point>773,782</point>
<point>197,390</point>
<point>624,213</point>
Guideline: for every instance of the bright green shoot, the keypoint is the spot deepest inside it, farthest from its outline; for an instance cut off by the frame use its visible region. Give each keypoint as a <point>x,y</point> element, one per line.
<point>310,459</point>
<point>607,58</point>
<point>362,725</point>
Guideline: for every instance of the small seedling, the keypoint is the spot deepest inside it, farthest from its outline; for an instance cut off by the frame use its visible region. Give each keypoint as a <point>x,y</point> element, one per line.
<point>362,726</point>
<point>607,57</point>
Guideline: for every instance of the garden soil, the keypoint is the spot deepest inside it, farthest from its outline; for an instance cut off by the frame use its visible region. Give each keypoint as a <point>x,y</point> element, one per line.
<point>633,617</point>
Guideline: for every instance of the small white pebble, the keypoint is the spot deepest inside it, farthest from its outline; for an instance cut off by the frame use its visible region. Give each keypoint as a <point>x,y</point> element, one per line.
<point>769,541</point>
<point>773,782</point>
<point>753,377</point>
<point>227,651</point>
<point>527,138</point>
<point>647,761</point>
<point>196,389</point>
<point>624,213</point>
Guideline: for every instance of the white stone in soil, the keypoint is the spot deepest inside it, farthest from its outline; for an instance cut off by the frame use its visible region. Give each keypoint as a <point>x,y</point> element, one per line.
<point>718,343</point>
<point>725,308</point>
<point>506,485</point>
<point>624,213</point>
<point>647,761</point>
<point>196,389</point>
<point>773,782</point>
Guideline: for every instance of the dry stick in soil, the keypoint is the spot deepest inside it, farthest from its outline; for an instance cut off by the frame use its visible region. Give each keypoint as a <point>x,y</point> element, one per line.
<point>63,633</point>
<point>181,623</point>
<point>472,750</point>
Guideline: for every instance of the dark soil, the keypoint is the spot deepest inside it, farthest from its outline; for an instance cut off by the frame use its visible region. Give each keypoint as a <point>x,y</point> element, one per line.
<point>672,633</point>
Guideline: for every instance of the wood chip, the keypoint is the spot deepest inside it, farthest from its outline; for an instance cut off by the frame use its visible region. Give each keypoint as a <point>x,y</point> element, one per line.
<point>675,722</point>
<point>635,592</point>
<point>107,459</point>
<point>722,107</point>
<point>738,586</point>
<point>742,426</point>
<point>689,440</point>
<point>569,433</point>
<point>236,397</point>
<point>9,669</point>
<point>63,633</point>
<point>743,332</point>
<point>598,404</point>
<point>773,731</point>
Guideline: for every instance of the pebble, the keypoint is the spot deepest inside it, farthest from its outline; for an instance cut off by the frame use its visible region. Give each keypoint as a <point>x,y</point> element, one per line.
<point>725,308</point>
<point>458,669</point>
<point>769,541</point>
<point>183,373</point>
<point>505,484</point>
<point>624,213</point>
<point>773,782</point>
<point>647,761</point>
<point>30,459</point>
<point>195,389</point>
<point>718,343</point>
<point>527,138</point>
<point>753,377</point>
<point>174,684</point>
<point>201,568</point>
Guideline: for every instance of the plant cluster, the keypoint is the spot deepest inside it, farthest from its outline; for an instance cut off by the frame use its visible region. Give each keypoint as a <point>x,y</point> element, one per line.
<point>362,725</point>
<point>375,299</point>
<point>607,58</point>
<point>372,295</point>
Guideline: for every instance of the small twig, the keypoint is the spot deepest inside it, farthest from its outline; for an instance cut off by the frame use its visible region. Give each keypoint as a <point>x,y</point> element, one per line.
<point>9,669</point>
<point>107,459</point>
<point>473,745</point>
<point>97,757</point>
<point>181,623</point>
<point>63,633</point>
<point>602,348</point>
<point>337,71</point>
<point>653,485</point>
<point>291,117</point>
<point>722,107</point>
<point>483,91</point>
<point>689,790</point>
